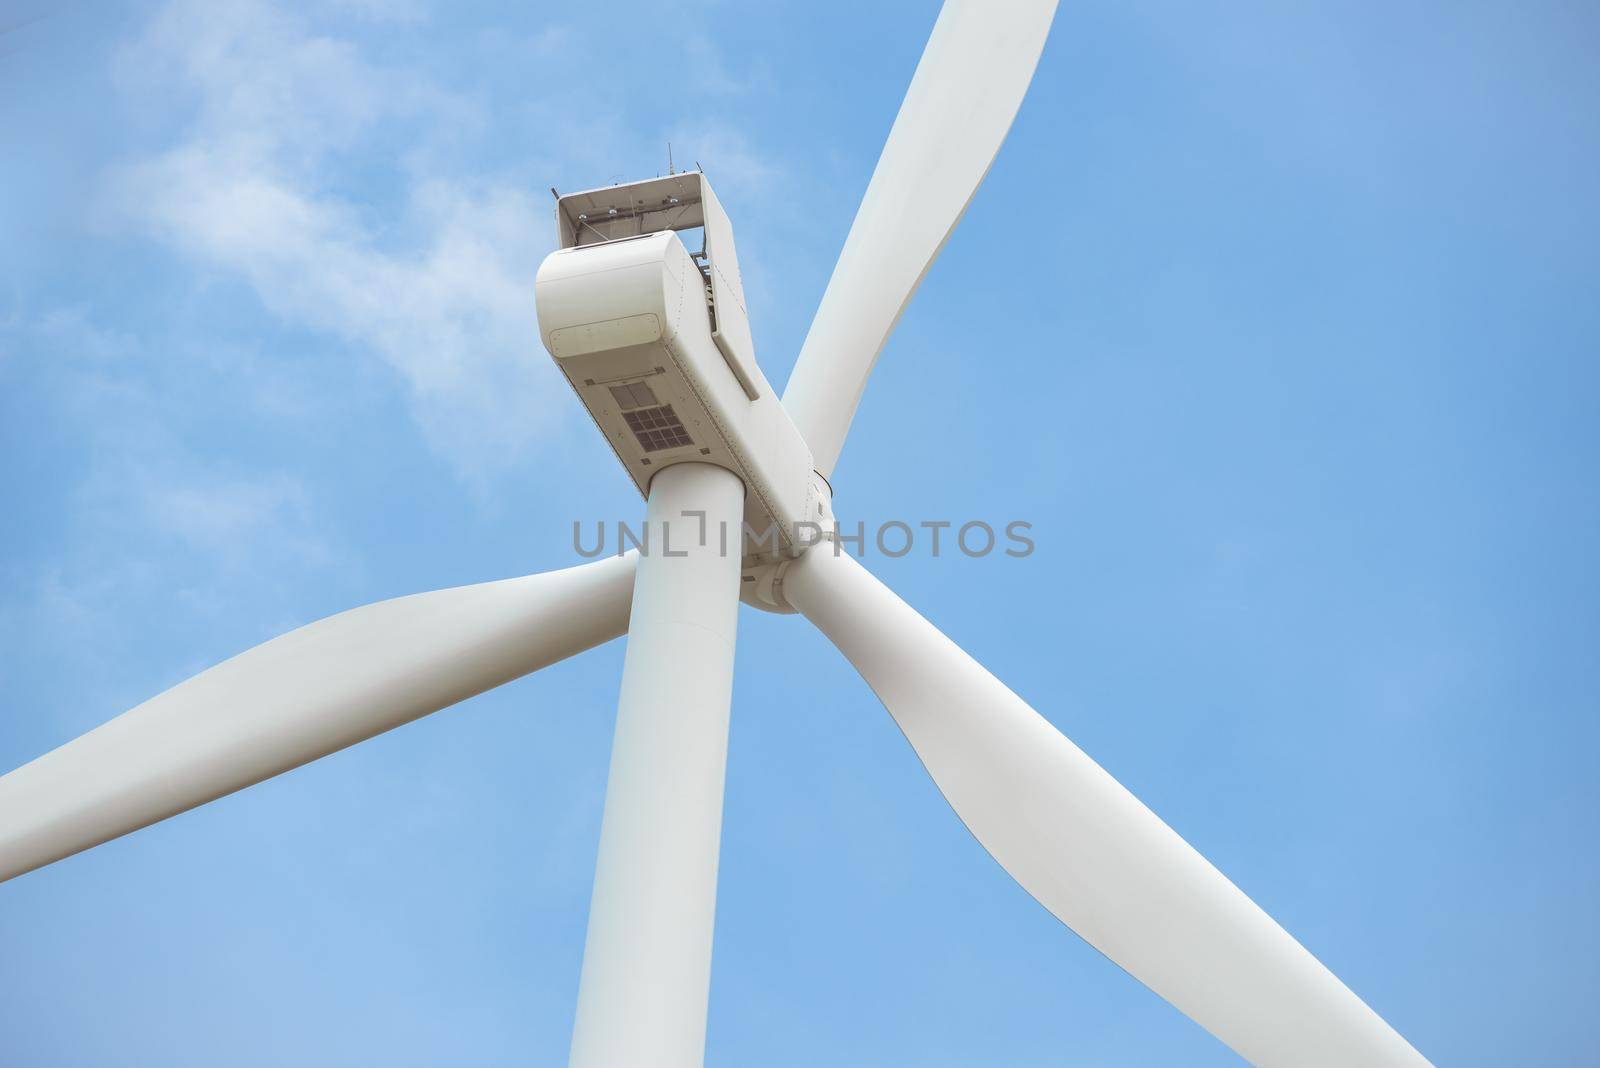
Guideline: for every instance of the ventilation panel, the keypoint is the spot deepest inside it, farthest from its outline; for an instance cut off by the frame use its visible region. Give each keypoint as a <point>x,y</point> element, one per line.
<point>657,428</point>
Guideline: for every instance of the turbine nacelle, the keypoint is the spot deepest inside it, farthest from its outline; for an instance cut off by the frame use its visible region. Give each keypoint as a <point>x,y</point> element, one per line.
<point>655,340</point>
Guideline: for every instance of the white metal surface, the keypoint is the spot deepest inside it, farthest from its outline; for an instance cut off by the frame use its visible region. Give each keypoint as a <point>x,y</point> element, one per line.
<point>676,202</point>
<point>630,315</point>
<point>1085,847</point>
<point>301,696</point>
<point>966,91</point>
<point>647,960</point>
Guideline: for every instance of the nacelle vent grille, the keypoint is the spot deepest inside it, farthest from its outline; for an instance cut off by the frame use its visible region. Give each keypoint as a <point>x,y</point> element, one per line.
<point>657,428</point>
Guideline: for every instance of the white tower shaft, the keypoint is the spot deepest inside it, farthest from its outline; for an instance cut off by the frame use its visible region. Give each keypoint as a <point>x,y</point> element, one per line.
<point>647,961</point>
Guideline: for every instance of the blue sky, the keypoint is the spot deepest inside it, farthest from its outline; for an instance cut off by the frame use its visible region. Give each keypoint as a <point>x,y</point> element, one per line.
<point>1276,320</point>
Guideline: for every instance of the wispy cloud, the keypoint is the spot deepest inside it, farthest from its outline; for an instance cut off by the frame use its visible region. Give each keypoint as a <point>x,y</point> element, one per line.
<point>253,185</point>
<point>710,71</point>
<point>145,523</point>
<point>222,517</point>
<point>144,489</point>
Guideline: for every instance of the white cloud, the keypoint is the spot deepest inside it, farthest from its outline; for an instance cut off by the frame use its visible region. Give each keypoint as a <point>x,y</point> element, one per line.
<point>711,74</point>
<point>270,180</point>
<point>252,186</point>
<point>224,517</point>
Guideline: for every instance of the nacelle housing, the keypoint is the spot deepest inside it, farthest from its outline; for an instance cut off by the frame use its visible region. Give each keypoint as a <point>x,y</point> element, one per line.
<point>629,319</point>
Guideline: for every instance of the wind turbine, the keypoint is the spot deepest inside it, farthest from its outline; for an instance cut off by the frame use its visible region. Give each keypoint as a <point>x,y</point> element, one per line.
<point>656,342</point>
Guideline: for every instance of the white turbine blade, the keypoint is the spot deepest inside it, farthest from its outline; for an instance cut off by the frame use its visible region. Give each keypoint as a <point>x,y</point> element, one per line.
<point>1085,847</point>
<point>963,97</point>
<point>298,697</point>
